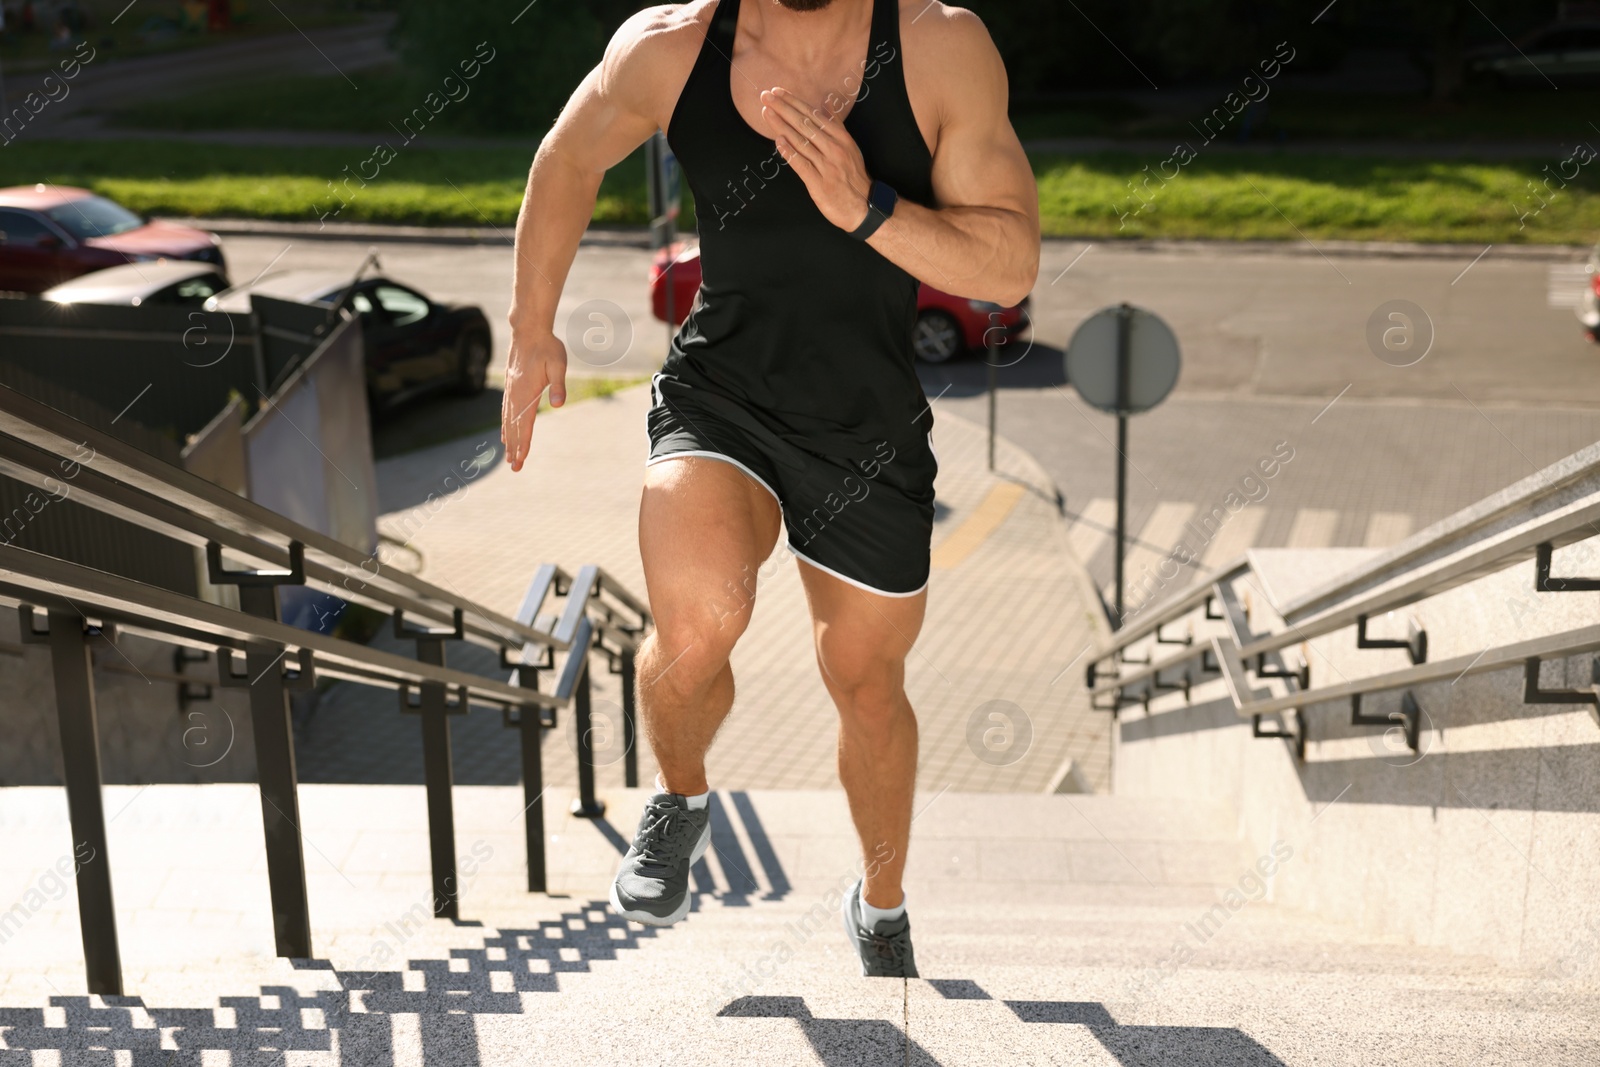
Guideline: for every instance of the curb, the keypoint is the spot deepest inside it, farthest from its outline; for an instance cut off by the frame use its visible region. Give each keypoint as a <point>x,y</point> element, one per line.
<point>610,236</point>
<point>639,237</point>
<point>1552,253</point>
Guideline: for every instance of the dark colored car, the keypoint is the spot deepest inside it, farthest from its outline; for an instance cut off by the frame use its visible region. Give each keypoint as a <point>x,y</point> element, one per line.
<point>413,345</point>
<point>170,284</point>
<point>1566,53</point>
<point>947,326</point>
<point>52,233</point>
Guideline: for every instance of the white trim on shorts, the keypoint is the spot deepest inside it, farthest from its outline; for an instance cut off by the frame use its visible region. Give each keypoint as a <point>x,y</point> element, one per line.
<point>846,578</point>
<point>653,460</point>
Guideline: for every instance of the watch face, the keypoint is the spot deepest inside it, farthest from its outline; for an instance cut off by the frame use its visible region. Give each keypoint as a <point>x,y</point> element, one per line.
<point>883,198</point>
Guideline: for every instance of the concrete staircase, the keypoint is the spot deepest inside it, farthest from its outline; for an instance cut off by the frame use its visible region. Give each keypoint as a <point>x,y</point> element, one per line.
<point>1049,930</point>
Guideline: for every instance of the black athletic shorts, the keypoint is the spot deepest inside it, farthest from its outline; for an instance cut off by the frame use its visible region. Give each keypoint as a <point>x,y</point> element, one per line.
<point>859,506</point>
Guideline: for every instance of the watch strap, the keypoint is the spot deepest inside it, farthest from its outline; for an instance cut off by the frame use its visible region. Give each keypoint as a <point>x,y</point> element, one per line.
<point>881,203</point>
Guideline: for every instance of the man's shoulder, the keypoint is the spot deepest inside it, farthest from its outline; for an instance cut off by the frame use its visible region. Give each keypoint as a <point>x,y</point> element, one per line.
<point>656,47</point>
<point>943,32</point>
<point>664,32</point>
<point>953,70</point>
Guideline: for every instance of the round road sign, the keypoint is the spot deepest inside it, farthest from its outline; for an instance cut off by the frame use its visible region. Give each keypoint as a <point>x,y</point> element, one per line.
<point>1153,360</point>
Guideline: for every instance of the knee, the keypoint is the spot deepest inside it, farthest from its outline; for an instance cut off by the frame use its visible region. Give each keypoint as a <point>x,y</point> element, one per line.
<point>866,683</point>
<point>686,651</point>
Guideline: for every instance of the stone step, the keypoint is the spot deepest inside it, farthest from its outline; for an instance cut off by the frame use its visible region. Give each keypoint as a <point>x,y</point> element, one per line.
<point>1030,952</point>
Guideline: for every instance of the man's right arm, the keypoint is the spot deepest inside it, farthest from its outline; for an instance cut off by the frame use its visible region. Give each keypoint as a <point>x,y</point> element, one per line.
<point>615,110</point>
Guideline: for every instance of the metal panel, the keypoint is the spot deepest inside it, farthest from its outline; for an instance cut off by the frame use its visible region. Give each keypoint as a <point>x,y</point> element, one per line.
<point>170,368</point>
<point>290,332</point>
<point>216,453</point>
<point>309,451</point>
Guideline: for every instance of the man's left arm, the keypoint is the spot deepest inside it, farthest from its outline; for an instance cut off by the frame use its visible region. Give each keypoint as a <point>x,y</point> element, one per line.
<point>982,241</point>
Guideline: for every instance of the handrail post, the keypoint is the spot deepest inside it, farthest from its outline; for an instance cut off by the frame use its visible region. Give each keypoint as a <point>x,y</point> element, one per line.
<point>1124,369</point>
<point>273,730</point>
<point>438,778</point>
<point>80,761</point>
<point>586,805</point>
<point>531,729</point>
<point>437,773</point>
<point>630,721</point>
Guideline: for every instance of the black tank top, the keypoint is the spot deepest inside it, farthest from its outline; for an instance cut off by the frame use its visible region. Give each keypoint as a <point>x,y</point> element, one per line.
<point>796,321</point>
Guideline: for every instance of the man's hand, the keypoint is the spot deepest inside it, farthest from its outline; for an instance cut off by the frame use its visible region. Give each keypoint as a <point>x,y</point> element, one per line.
<point>531,365</point>
<point>824,155</point>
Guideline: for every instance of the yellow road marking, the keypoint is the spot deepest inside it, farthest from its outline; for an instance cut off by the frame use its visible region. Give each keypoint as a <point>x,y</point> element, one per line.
<point>975,530</point>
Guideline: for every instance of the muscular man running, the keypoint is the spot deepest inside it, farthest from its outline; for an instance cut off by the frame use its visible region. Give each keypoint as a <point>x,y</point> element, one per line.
<point>839,151</point>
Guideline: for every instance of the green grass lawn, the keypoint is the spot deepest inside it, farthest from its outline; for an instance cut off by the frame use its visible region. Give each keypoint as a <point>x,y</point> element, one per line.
<point>1278,196</point>
<point>1287,195</point>
<point>473,187</point>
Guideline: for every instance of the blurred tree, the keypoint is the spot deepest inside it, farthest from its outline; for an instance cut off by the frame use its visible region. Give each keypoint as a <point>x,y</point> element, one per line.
<point>1224,38</point>
<point>1444,27</point>
<point>1052,45</point>
<point>537,61</point>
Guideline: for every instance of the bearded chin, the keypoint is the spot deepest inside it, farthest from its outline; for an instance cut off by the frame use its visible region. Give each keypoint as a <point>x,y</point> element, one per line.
<point>804,5</point>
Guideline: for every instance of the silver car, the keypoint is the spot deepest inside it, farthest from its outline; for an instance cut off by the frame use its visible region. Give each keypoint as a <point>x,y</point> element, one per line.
<point>172,283</point>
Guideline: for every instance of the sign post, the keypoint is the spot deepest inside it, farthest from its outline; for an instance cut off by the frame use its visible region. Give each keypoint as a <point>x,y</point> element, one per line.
<point>1123,360</point>
<point>993,355</point>
<point>664,180</point>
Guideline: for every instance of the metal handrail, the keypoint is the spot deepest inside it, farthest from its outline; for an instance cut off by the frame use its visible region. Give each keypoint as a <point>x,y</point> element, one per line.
<point>139,488</point>
<point>1526,495</point>
<point>1570,523</point>
<point>1516,546</point>
<point>1503,657</point>
<point>177,619</point>
<point>1548,519</point>
<point>1172,610</point>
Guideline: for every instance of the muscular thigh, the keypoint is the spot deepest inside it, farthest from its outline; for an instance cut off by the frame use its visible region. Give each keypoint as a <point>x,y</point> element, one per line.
<point>705,528</point>
<point>861,636</point>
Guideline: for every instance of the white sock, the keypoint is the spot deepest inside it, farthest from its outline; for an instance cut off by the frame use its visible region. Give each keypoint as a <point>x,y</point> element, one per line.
<point>698,802</point>
<point>871,917</point>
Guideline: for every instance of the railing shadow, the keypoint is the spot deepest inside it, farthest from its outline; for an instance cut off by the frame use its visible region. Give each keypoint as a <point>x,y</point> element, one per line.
<point>487,980</point>
<point>1131,1046</point>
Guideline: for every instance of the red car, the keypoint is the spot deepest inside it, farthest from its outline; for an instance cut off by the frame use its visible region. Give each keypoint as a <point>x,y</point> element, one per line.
<point>947,326</point>
<point>52,233</point>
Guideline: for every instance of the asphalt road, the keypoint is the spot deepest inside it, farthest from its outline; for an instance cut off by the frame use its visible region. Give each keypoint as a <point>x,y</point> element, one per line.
<point>1251,323</point>
<point>1275,349</point>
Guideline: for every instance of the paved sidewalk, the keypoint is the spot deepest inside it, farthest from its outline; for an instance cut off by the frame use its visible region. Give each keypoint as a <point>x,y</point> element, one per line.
<point>996,676</point>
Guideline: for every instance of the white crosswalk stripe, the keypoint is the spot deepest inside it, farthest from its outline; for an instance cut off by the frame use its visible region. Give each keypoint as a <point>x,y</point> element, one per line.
<point>1313,528</point>
<point>1387,528</point>
<point>1093,528</point>
<point>1237,534</point>
<point>1090,534</point>
<point>1566,284</point>
<point>1160,534</point>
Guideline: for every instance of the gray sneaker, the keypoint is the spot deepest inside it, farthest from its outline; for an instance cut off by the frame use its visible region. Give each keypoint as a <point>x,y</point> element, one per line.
<point>885,950</point>
<point>652,885</point>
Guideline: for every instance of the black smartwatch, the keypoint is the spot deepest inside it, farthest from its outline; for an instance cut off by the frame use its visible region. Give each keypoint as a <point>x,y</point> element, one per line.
<point>880,207</point>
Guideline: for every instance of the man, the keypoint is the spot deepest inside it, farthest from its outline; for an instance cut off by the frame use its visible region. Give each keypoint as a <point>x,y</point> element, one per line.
<point>839,151</point>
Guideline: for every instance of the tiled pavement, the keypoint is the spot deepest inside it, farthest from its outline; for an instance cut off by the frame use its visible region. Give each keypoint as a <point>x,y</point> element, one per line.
<point>1005,621</point>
